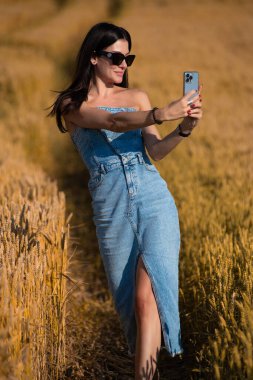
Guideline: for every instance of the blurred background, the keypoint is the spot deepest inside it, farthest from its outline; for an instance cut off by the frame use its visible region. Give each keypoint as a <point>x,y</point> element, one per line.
<point>209,174</point>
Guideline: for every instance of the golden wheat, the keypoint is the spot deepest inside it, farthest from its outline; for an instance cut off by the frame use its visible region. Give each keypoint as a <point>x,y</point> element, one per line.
<point>33,262</point>
<point>209,174</point>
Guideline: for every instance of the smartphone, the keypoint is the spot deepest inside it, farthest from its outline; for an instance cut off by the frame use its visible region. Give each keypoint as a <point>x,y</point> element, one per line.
<point>190,82</point>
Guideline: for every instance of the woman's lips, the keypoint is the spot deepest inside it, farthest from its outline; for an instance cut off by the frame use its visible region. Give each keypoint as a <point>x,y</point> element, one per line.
<point>121,73</point>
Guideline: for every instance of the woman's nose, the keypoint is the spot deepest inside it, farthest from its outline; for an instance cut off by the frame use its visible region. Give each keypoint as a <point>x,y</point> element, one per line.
<point>123,64</point>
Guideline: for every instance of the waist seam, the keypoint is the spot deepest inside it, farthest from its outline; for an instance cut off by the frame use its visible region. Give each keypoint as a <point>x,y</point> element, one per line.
<point>105,167</point>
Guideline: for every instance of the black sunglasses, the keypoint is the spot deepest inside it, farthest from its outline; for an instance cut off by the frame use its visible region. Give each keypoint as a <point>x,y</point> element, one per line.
<point>117,58</point>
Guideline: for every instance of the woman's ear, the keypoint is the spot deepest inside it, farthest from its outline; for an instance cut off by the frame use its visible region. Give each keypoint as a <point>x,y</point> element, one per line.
<point>93,59</point>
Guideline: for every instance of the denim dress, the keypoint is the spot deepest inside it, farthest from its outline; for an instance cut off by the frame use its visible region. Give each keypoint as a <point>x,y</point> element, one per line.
<point>134,214</point>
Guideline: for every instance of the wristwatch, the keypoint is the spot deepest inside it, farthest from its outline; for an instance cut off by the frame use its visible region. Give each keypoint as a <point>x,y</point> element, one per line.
<point>155,119</point>
<point>181,133</point>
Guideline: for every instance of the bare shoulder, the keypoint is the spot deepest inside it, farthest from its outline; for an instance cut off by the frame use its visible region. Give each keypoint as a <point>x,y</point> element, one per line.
<point>150,133</point>
<point>141,99</point>
<point>138,98</point>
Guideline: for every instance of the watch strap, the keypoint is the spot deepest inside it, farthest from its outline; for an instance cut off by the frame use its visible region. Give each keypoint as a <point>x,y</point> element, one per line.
<point>155,119</point>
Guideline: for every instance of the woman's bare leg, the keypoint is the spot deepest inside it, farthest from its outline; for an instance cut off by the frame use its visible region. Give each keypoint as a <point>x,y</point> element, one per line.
<point>148,342</point>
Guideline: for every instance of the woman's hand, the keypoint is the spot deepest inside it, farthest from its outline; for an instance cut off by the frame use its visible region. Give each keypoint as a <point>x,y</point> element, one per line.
<point>194,115</point>
<point>181,107</point>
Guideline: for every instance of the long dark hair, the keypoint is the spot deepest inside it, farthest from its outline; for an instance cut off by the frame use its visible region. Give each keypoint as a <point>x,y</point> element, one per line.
<point>99,37</point>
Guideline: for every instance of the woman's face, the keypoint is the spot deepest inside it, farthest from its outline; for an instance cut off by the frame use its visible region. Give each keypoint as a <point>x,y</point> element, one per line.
<point>104,68</point>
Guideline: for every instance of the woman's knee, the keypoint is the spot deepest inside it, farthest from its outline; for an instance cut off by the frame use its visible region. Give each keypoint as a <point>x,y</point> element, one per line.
<point>144,296</point>
<point>144,305</point>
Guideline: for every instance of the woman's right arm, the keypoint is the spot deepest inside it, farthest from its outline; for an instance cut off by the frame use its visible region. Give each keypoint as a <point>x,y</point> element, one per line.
<point>95,118</point>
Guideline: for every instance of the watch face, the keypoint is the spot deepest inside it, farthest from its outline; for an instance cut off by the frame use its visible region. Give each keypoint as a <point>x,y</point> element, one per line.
<point>184,134</point>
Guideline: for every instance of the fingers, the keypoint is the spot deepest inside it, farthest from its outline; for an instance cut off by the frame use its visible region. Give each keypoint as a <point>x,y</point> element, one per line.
<point>195,113</point>
<point>193,108</point>
<point>189,94</point>
<point>192,99</point>
<point>197,104</point>
<point>188,105</point>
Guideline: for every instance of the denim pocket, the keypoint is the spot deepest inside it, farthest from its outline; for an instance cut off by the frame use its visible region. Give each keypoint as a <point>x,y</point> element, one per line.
<point>95,180</point>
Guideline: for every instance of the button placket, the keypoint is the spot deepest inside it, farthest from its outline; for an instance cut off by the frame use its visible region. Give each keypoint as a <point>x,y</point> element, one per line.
<point>126,167</point>
<point>129,178</point>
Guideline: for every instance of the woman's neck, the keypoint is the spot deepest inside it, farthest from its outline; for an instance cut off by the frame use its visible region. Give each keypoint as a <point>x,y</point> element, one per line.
<point>100,89</point>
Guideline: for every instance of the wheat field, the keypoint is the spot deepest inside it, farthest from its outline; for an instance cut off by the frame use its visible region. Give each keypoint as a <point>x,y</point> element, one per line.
<point>57,319</point>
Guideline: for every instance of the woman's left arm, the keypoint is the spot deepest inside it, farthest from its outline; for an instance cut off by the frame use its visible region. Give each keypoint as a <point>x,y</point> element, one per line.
<point>159,147</point>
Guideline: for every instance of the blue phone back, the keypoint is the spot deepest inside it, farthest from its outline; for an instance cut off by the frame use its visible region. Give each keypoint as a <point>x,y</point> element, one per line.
<point>191,81</point>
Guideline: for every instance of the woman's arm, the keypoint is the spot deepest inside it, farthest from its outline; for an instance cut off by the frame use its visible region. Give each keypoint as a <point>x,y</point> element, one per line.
<point>164,146</point>
<point>95,118</point>
<point>151,135</point>
<point>158,147</point>
<point>88,117</point>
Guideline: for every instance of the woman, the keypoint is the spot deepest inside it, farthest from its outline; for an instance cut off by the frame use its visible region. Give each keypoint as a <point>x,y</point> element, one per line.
<point>134,212</point>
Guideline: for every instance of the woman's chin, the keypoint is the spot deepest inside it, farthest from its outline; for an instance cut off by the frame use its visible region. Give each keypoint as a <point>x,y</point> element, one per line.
<point>118,80</point>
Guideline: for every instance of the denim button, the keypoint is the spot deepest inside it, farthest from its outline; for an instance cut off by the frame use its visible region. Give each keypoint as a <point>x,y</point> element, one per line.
<point>124,159</point>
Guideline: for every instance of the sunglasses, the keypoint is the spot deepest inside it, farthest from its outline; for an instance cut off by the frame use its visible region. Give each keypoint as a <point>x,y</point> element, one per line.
<point>117,58</point>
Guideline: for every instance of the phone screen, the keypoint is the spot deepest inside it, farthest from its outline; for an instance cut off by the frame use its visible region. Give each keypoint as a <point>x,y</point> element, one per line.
<point>191,81</point>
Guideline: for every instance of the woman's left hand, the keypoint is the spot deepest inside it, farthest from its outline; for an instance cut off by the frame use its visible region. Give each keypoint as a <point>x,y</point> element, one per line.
<point>194,115</point>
